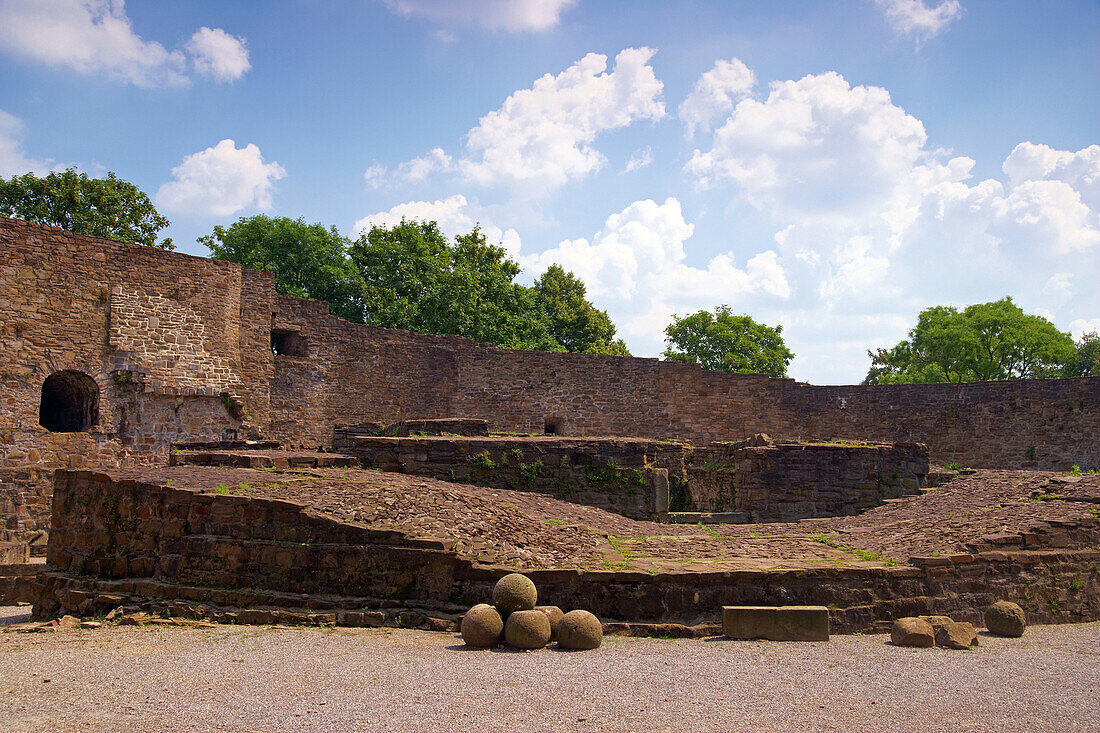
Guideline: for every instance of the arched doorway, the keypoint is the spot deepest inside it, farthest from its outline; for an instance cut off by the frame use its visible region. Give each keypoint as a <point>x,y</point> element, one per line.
<point>70,402</point>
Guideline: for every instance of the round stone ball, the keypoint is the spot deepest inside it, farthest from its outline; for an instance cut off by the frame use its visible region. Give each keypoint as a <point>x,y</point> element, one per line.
<point>481,626</point>
<point>555,615</point>
<point>1005,618</point>
<point>527,629</point>
<point>579,630</point>
<point>514,592</point>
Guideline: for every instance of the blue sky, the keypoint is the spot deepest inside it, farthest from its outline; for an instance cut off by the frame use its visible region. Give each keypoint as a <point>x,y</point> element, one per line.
<point>833,167</point>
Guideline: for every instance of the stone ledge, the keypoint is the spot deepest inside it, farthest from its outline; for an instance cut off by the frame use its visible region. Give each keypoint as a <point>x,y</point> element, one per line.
<point>776,623</point>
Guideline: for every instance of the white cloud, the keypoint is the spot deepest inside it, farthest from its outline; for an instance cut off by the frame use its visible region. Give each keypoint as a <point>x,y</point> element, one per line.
<point>873,225</point>
<point>1080,326</point>
<point>455,215</point>
<point>635,267</point>
<point>639,159</point>
<point>715,93</point>
<point>97,37</point>
<point>218,55</point>
<point>13,160</point>
<point>542,137</point>
<point>375,175</point>
<point>914,18</point>
<point>418,169</point>
<point>220,181</point>
<point>509,15</point>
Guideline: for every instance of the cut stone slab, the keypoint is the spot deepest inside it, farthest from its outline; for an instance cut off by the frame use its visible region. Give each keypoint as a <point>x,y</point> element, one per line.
<point>776,623</point>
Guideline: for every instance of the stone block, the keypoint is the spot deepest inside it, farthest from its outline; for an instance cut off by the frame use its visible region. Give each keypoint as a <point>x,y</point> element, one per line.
<point>776,623</point>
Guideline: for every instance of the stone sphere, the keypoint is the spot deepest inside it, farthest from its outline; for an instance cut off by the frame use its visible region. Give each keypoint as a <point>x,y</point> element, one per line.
<point>579,630</point>
<point>514,592</point>
<point>1005,618</point>
<point>555,615</point>
<point>527,629</point>
<point>481,626</point>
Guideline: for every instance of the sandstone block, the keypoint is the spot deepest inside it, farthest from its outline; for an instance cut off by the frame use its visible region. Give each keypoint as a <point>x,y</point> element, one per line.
<point>952,634</point>
<point>777,623</point>
<point>1005,618</point>
<point>912,631</point>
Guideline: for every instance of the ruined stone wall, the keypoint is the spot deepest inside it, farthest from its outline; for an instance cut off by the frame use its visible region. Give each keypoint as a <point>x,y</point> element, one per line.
<point>361,373</point>
<point>612,474</point>
<point>160,542</point>
<point>177,347</point>
<point>785,482</point>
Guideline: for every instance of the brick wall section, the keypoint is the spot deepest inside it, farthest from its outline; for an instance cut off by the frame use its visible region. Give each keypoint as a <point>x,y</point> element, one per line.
<point>227,549</point>
<point>787,482</point>
<point>611,474</point>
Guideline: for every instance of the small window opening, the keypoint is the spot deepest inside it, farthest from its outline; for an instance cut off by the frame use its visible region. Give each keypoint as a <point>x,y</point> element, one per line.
<point>553,426</point>
<point>70,402</point>
<point>289,343</point>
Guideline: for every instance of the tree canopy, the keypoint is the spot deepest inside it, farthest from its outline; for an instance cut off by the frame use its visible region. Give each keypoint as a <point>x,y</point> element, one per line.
<point>411,276</point>
<point>726,342</point>
<point>575,323</point>
<point>103,207</point>
<point>1085,361</point>
<point>307,260</point>
<point>985,341</point>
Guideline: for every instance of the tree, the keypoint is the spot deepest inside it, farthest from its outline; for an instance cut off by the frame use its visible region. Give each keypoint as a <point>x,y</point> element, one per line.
<point>985,341</point>
<point>307,260</point>
<point>572,320</point>
<point>724,342</point>
<point>1086,360</point>
<point>413,278</point>
<point>103,207</point>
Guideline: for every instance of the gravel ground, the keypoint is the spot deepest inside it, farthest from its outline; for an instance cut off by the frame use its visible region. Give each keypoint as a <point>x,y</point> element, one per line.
<point>272,679</point>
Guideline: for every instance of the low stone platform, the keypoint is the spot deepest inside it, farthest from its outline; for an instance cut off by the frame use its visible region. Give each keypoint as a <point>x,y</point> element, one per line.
<point>234,539</point>
<point>261,458</point>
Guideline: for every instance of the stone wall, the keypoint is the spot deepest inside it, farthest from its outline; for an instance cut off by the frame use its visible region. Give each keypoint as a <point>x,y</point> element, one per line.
<point>784,482</point>
<point>612,474</point>
<point>356,374</point>
<point>120,538</point>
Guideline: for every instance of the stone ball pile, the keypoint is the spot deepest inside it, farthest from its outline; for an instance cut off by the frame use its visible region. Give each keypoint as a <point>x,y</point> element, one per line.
<point>517,621</point>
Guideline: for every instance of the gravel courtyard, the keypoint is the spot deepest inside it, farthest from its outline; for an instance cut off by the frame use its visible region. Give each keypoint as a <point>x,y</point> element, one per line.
<point>250,678</point>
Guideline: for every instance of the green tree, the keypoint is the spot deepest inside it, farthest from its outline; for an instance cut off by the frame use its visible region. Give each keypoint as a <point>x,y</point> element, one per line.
<point>103,207</point>
<point>572,320</point>
<point>724,342</point>
<point>413,278</point>
<point>307,260</point>
<point>985,341</point>
<point>1085,361</point>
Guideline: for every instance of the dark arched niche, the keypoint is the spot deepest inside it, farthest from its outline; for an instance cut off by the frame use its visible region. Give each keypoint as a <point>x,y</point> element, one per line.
<point>70,402</point>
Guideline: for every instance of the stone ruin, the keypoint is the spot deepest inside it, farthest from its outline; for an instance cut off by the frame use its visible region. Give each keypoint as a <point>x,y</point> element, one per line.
<point>175,436</point>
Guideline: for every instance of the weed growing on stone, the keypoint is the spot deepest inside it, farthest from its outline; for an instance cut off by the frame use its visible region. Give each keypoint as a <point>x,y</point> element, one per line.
<point>221,489</point>
<point>483,460</point>
<point>952,466</point>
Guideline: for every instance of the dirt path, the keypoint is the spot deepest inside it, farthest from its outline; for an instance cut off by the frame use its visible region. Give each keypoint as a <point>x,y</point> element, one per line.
<point>264,679</point>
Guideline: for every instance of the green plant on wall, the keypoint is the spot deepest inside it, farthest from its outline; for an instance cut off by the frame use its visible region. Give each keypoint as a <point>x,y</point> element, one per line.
<point>528,472</point>
<point>483,461</point>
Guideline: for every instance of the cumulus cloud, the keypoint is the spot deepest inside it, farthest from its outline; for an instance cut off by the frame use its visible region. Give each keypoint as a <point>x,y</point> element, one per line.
<point>218,55</point>
<point>97,37</point>
<point>639,159</point>
<point>220,181</point>
<point>455,215</point>
<point>914,18</point>
<point>635,267</point>
<point>1080,326</point>
<point>542,137</point>
<point>13,160</point>
<point>872,221</point>
<point>715,94</point>
<point>509,15</point>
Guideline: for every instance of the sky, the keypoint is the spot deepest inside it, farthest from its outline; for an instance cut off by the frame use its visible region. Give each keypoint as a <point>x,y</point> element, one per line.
<point>830,166</point>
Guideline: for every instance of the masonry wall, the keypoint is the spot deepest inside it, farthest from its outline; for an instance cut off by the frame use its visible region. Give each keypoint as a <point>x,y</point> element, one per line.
<point>787,482</point>
<point>178,347</point>
<point>121,538</point>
